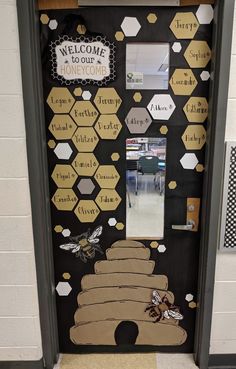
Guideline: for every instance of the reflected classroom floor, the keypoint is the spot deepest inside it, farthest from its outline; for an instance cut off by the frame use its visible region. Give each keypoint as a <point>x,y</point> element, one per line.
<point>126,361</point>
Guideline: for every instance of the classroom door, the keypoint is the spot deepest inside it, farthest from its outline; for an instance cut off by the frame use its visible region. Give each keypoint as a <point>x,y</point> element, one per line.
<point>126,106</point>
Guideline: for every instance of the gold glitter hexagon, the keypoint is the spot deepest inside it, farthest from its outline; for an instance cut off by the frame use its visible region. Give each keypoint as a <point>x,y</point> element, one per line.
<point>64,176</point>
<point>81,29</point>
<point>183,82</point>
<point>51,144</point>
<point>119,36</point>
<point>66,276</point>
<point>172,185</point>
<point>152,18</point>
<point>120,226</point>
<point>86,211</point>
<point>78,91</point>
<point>58,229</point>
<point>194,137</point>
<point>84,113</point>
<point>137,97</point>
<point>62,127</point>
<point>192,305</point>
<point>184,25</point>
<point>115,156</point>
<point>164,130</point>
<point>64,199</point>
<point>154,244</point>
<point>196,109</point>
<point>107,100</point>
<point>85,139</point>
<point>44,18</point>
<point>60,100</point>
<point>107,176</point>
<point>108,200</point>
<point>199,168</point>
<point>198,54</point>
<point>85,164</point>
<point>108,126</point>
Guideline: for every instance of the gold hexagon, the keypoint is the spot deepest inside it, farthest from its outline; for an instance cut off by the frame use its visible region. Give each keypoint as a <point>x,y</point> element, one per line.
<point>108,126</point>
<point>192,305</point>
<point>164,130</point>
<point>120,226</point>
<point>196,109</point>
<point>107,176</point>
<point>64,199</point>
<point>183,82</point>
<point>58,229</point>
<point>137,97</point>
<point>194,137</point>
<point>84,113</point>
<point>85,164</point>
<point>64,176</point>
<point>78,91</point>
<point>86,211</point>
<point>60,100</point>
<point>154,244</point>
<point>198,54</point>
<point>81,29</point>
<point>172,185</point>
<point>44,18</point>
<point>51,144</point>
<point>199,168</point>
<point>184,25</point>
<point>107,100</point>
<point>108,200</point>
<point>66,276</point>
<point>115,156</point>
<point>62,127</point>
<point>85,139</point>
<point>119,36</point>
<point>152,18</point>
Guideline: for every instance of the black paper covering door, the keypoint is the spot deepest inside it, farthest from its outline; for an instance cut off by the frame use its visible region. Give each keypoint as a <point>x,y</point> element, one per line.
<point>104,285</point>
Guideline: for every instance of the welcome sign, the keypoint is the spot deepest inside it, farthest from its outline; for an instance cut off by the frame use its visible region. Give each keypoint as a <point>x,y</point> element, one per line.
<point>83,60</point>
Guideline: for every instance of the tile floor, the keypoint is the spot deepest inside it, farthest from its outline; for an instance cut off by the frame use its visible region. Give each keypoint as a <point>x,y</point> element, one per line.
<point>126,361</point>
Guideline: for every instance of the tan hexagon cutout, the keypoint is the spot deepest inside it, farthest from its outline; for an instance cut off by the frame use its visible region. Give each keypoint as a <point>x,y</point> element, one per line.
<point>199,168</point>
<point>108,200</point>
<point>62,127</point>
<point>198,54</point>
<point>78,91</point>
<point>152,18</point>
<point>64,199</point>
<point>84,113</point>
<point>194,137</point>
<point>154,244</point>
<point>192,305</point>
<point>85,164</point>
<point>51,144</point>
<point>115,156</point>
<point>164,130</point>
<point>86,211</point>
<point>107,176</point>
<point>107,100</point>
<point>64,176</point>
<point>184,25</point>
<point>120,226</point>
<point>119,36</point>
<point>183,82</point>
<point>44,18</point>
<point>66,276</point>
<point>60,100</point>
<point>58,228</point>
<point>196,109</point>
<point>81,29</point>
<point>85,139</point>
<point>172,185</point>
<point>137,97</point>
<point>108,126</point>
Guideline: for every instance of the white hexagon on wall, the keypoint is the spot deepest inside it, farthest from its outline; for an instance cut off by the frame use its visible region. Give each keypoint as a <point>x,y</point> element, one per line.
<point>63,151</point>
<point>63,288</point>
<point>161,249</point>
<point>130,26</point>
<point>176,47</point>
<point>161,107</point>
<point>66,232</point>
<point>189,161</point>
<point>112,222</point>
<point>53,24</point>
<point>86,95</point>
<point>205,14</point>
<point>205,75</point>
<point>189,297</point>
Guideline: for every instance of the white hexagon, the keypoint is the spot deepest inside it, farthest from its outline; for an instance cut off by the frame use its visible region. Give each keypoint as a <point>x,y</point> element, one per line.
<point>189,161</point>
<point>63,151</point>
<point>161,248</point>
<point>177,47</point>
<point>189,297</point>
<point>53,24</point>
<point>66,232</point>
<point>86,95</point>
<point>112,222</point>
<point>161,107</point>
<point>130,26</point>
<point>63,288</point>
<point>205,75</point>
<point>205,14</point>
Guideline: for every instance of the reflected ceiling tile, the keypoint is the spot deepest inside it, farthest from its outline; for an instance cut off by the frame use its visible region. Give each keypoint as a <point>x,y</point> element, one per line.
<point>205,14</point>
<point>130,26</point>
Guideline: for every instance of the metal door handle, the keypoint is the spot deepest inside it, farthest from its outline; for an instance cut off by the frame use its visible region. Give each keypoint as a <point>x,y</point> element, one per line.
<point>184,227</point>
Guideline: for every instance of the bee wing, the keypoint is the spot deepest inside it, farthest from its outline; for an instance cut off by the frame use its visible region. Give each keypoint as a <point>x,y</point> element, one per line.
<point>96,233</point>
<point>68,246</point>
<point>76,249</point>
<point>95,240</point>
<point>167,314</point>
<point>156,296</point>
<point>175,315</point>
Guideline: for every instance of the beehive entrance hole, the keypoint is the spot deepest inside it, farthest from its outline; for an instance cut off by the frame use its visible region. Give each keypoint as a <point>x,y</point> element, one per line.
<point>126,333</point>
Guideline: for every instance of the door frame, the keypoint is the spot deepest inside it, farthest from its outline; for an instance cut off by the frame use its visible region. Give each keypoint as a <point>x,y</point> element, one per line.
<point>38,176</point>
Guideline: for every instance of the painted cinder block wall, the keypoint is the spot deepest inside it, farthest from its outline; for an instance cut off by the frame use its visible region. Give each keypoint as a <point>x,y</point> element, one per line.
<point>20,337</point>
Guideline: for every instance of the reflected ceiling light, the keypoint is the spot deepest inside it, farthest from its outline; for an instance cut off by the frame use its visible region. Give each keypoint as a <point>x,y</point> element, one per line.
<point>128,2</point>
